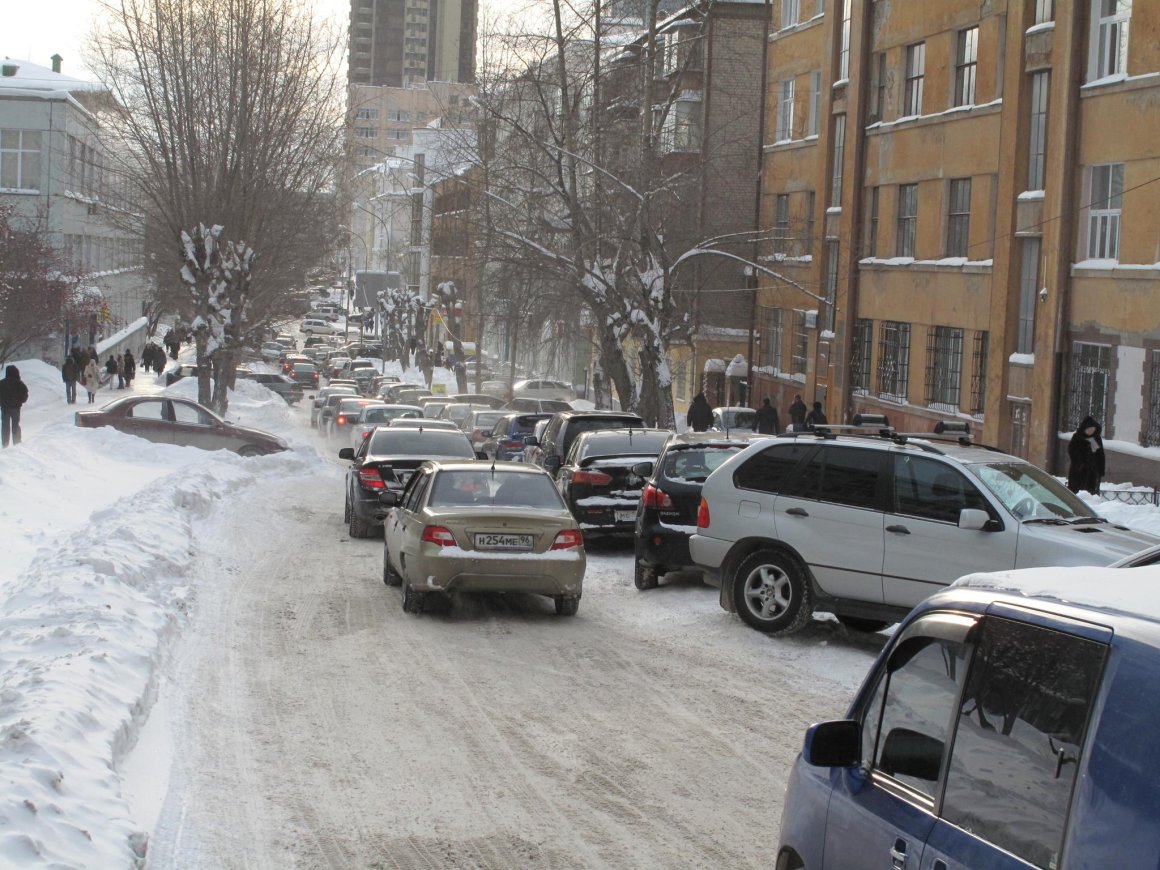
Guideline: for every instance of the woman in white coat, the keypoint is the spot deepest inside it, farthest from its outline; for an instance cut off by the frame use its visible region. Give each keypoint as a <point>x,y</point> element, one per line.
<point>92,379</point>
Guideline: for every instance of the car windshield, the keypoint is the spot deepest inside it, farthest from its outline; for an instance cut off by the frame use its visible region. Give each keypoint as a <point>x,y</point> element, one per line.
<point>461,488</point>
<point>428,442</point>
<point>1031,493</point>
<point>697,463</point>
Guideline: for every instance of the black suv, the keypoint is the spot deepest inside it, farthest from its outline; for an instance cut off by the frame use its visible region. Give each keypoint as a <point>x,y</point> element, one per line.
<point>549,452</point>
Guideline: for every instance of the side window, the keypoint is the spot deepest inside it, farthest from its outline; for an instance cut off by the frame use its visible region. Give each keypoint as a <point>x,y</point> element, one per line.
<point>806,481</point>
<point>151,410</point>
<point>851,476</point>
<point>906,725</point>
<point>768,470</point>
<point>933,490</point>
<point>416,487</point>
<point>1021,727</point>
<point>187,414</point>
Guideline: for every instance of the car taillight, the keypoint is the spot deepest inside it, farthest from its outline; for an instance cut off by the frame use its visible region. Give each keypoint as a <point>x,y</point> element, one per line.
<point>703,515</point>
<point>369,478</point>
<point>440,535</point>
<point>568,540</point>
<point>657,499</point>
<point>592,478</point>
<point>340,420</point>
<point>366,433</point>
<point>512,445</point>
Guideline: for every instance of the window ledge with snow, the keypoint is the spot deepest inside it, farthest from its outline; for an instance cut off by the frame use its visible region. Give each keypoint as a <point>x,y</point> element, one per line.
<point>784,258</point>
<point>1125,82</point>
<point>950,114</point>
<point>1039,28</point>
<point>945,263</point>
<point>1103,267</point>
<point>790,144</point>
<point>1029,195</point>
<point>1022,359</point>
<point>834,209</point>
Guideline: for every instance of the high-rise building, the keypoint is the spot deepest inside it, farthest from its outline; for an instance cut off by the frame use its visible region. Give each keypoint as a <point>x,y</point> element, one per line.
<point>398,43</point>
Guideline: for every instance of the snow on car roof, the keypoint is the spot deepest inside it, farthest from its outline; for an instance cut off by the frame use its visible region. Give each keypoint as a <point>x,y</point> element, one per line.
<point>1127,590</point>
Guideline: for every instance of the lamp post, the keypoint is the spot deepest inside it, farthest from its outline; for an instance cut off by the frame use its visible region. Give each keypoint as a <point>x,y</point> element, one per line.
<point>751,282</point>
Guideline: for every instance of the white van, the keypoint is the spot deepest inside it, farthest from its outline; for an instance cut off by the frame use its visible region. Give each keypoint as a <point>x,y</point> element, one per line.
<point>314,326</point>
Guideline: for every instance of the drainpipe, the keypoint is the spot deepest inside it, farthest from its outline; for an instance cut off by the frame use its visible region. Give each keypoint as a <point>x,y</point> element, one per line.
<point>750,272</point>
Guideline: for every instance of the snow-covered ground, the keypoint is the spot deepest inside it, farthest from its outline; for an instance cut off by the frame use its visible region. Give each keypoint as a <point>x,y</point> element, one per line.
<point>178,629</point>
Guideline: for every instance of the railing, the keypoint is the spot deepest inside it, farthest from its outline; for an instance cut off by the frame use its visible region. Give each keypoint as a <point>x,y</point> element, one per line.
<point>1141,495</point>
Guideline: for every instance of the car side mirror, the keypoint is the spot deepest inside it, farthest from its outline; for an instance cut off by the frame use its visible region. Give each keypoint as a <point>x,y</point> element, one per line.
<point>346,453</point>
<point>642,469</point>
<point>909,753</point>
<point>389,498</point>
<point>833,744</point>
<point>531,441</point>
<point>973,520</point>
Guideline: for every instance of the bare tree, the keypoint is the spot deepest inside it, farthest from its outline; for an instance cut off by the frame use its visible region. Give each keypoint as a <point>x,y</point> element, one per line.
<point>231,116</point>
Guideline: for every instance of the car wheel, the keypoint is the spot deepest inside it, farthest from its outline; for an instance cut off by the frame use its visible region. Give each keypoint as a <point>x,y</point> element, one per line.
<point>771,593</point>
<point>249,450</point>
<point>390,578</point>
<point>412,600</point>
<point>567,605</point>
<point>358,529</point>
<point>646,577</point>
<point>857,623</point>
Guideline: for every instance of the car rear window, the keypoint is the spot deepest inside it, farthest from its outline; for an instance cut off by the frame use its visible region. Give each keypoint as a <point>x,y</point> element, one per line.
<point>429,442</point>
<point>486,420</point>
<point>553,405</point>
<point>460,488</point>
<point>626,444</point>
<point>592,424</point>
<point>697,463</point>
<point>378,415</point>
<point>526,423</point>
<point>346,406</point>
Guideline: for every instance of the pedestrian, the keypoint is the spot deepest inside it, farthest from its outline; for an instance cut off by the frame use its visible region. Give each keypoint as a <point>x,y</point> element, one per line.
<point>765,420</point>
<point>13,394</point>
<point>1085,453</point>
<point>816,417</point>
<point>92,379</point>
<point>130,368</point>
<point>700,416</point>
<point>112,370</point>
<point>423,361</point>
<point>797,413</point>
<point>68,374</point>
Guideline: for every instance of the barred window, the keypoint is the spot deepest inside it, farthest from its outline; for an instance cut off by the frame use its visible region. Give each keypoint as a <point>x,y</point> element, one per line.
<point>915,74</point>
<point>959,218</point>
<point>801,345</point>
<point>1152,429</point>
<point>907,219</point>
<point>771,338</point>
<point>863,337</point>
<point>979,373</point>
<point>781,223</point>
<point>1090,377</point>
<point>966,66</point>
<point>944,367</point>
<point>893,360</point>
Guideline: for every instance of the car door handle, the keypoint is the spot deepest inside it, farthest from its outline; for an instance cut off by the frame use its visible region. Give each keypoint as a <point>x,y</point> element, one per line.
<point>798,512</point>
<point>898,855</point>
<point>898,530</point>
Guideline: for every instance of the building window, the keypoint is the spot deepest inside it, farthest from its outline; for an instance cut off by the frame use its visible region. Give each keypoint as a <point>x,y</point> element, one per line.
<point>367,115</point>
<point>811,205</point>
<point>1151,435</point>
<point>781,223</point>
<point>844,46</point>
<point>839,153</point>
<point>799,353</point>
<point>915,72</point>
<point>398,115</point>
<point>893,359</point>
<point>1037,146</point>
<point>399,135</point>
<point>860,355</point>
<point>878,104</point>
<point>815,101</point>
<point>1091,371</point>
<point>831,283</point>
<point>790,12</point>
<point>959,218</point>
<point>681,130</point>
<point>1107,183</point>
<point>1028,295</point>
<point>771,339</point>
<point>944,367</point>
<point>1020,428</point>
<point>20,160</point>
<point>416,219</point>
<point>907,219</point>
<point>1044,11</point>
<point>872,224</point>
<point>366,132</point>
<point>784,111</point>
<point>1110,37</point>
<point>968,61</point>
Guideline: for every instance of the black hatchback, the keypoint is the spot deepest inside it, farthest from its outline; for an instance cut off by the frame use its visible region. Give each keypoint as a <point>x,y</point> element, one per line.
<point>667,514</point>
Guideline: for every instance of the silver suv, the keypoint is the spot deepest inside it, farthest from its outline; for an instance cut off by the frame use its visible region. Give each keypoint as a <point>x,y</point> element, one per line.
<point>867,527</point>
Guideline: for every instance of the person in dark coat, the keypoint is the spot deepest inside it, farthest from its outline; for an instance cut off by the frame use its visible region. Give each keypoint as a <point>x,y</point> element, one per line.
<point>129,368</point>
<point>13,394</point>
<point>68,374</point>
<point>816,417</point>
<point>700,416</point>
<point>765,420</point>
<point>1085,453</point>
<point>797,413</point>
<point>113,370</point>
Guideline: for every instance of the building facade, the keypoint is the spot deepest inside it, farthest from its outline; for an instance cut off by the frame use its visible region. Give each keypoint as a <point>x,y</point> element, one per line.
<point>397,43</point>
<point>383,119</point>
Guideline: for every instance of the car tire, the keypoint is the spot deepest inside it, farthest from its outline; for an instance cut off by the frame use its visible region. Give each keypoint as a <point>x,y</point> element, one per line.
<point>567,605</point>
<point>412,600</point>
<point>645,576</point>
<point>857,623</point>
<point>249,450</point>
<point>358,529</point>
<point>390,578</point>
<point>771,592</point>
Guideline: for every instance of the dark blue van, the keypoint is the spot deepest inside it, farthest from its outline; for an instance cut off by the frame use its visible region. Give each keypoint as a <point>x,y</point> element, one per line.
<point>1011,722</point>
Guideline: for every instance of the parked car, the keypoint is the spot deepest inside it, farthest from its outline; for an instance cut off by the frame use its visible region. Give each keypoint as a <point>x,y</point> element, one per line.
<point>171,420</point>
<point>318,400</point>
<point>424,423</point>
<point>459,527</point>
<point>729,418</point>
<point>536,406</point>
<point>543,389</point>
<point>1008,723</point>
<point>667,514</point>
<point>372,416</point>
<point>479,423</point>
<point>271,351</point>
<point>598,480</point>
<point>506,439</point>
<point>317,326</point>
<point>287,388</point>
<point>492,402</point>
<point>179,371</point>
<point>306,374</point>
<point>561,430</point>
<point>384,461</point>
<point>341,419</point>
<point>867,527</point>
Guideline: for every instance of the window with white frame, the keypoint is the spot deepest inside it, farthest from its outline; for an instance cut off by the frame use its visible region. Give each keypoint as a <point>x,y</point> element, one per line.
<point>893,359</point>
<point>815,102</point>
<point>1037,144</point>
<point>1044,11</point>
<point>367,115</point>
<point>844,44</point>
<point>771,338</point>
<point>1107,186</point>
<point>366,132</point>
<point>784,129</point>
<point>799,352</point>
<point>682,126</point>
<point>399,134</point>
<point>944,366</point>
<point>790,12</point>
<point>966,66</point>
<point>398,115</point>
<point>915,76</point>
<point>1090,378</point>
<point>1020,428</point>
<point>1028,293</point>
<point>1109,44</point>
<point>907,220</point>
<point>20,160</point>
<point>959,217</point>
<point>781,223</point>
<point>839,153</point>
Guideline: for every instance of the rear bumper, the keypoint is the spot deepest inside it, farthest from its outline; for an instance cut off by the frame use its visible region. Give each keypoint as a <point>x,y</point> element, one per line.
<point>560,573</point>
<point>663,546</point>
<point>708,554</point>
<point>614,519</point>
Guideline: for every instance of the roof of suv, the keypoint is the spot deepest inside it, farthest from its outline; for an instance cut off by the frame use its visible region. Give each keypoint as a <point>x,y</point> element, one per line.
<point>948,445</point>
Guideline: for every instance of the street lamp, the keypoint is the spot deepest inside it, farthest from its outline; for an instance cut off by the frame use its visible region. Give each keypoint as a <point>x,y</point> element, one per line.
<point>751,282</point>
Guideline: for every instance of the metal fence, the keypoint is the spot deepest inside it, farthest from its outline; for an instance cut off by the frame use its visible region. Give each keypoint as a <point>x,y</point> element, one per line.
<point>1143,495</point>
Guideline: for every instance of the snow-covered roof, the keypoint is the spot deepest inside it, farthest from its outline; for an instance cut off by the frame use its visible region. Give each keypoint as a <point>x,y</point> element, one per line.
<point>1127,590</point>
<point>29,76</point>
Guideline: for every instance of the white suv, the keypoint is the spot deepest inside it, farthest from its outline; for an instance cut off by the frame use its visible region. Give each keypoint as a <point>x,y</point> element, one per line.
<point>867,527</point>
<point>317,326</point>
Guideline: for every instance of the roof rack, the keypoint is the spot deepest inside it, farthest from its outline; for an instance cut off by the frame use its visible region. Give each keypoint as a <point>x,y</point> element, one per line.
<point>878,426</point>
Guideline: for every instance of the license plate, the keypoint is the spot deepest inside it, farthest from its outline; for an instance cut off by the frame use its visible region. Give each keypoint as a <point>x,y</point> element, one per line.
<point>492,541</point>
<point>625,516</point>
